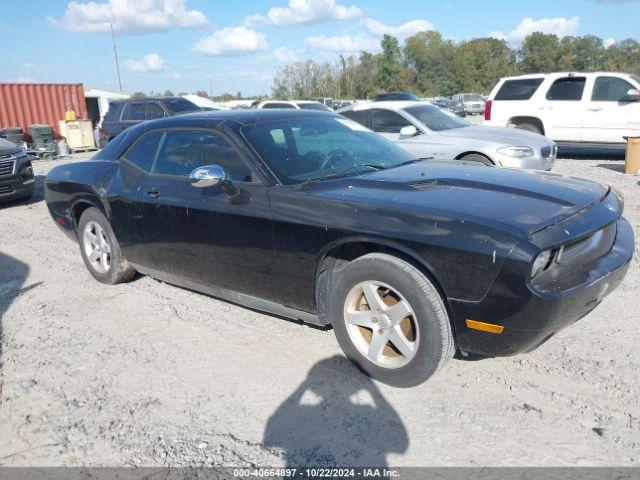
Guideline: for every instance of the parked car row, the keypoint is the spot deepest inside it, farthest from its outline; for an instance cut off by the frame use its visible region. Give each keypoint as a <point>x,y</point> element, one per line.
<point>312,216</point>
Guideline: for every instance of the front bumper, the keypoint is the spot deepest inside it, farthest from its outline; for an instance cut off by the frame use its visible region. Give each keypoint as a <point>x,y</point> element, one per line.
<point>529,320</point>
<point>535,162</point>
<point>20,184</point>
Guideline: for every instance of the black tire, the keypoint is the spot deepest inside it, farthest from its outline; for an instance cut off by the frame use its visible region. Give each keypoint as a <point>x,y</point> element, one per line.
<point>119,269</point>
<point>529,127</point>
<point>435,346</point>
<point>477,158</point>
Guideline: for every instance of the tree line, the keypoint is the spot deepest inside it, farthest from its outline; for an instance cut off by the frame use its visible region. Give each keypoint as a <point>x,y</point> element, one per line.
<point>429,65</point>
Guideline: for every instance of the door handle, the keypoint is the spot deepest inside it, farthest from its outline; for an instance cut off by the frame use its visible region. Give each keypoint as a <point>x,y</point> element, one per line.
<point>594,109</point>
<point>153,193</point>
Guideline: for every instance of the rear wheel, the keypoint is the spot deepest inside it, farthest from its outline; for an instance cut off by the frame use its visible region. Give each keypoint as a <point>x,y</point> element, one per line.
<point>100,249</point>
<point>390,320</point>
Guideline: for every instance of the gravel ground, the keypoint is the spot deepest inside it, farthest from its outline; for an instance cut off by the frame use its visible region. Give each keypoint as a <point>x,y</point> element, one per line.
<point>148,374</point>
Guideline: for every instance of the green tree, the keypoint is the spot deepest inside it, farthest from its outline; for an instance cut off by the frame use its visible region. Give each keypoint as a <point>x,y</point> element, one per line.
<point>168,93</point>
<point>389,63</point>
<point>431,58</point>
<point>480,63</point>
<point>540,52</point>
<point>138,95</point>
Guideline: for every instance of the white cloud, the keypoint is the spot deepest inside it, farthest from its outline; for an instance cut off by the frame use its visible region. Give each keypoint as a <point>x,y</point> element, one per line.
<point>401,31</point>
<point>283,54</point>
<point>130,17</point>
<point>608,42</point>
<point>305,12</point>
<point>343,44</point>
<point>232,41</point>
<point>561,26</point>
<point>178,75</point>
<point>149,63</point>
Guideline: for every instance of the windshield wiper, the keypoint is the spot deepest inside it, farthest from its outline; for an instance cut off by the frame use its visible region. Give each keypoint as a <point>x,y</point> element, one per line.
<point>342,173</point>
<point>409,162</point>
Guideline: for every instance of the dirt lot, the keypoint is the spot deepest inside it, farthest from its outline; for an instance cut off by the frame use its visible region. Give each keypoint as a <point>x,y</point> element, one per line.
<point>148,374</point>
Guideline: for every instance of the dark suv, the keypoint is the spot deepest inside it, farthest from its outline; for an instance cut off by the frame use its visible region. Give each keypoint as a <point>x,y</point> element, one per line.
<point>124,113</point>
<point>16,172</point>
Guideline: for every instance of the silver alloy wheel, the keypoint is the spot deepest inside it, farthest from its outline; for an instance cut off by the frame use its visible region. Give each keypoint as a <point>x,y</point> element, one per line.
<point>96,247</point>
<point>381,324</point>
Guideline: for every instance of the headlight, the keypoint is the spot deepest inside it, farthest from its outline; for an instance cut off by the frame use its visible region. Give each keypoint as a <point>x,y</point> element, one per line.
<point>541,263</point>
<point>517,152</point>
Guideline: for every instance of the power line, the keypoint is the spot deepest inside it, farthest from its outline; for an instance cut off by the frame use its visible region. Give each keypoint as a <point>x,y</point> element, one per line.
<point>115,55</point>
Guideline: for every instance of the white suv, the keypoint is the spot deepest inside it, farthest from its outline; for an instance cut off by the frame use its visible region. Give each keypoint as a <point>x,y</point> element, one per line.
<point>571,108</point>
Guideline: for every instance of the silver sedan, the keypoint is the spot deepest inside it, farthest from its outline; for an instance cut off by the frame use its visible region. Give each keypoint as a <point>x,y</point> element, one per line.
<point>426,131</point>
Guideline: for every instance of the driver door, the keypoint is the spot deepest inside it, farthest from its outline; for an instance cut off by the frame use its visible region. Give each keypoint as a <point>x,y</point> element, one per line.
<point>205,235</point>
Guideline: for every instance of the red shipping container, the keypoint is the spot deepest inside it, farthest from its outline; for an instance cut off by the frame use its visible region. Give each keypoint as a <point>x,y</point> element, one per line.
<point>24,104</point>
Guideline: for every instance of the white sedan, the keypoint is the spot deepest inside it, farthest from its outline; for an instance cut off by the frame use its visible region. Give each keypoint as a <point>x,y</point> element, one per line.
<point>426,131</point>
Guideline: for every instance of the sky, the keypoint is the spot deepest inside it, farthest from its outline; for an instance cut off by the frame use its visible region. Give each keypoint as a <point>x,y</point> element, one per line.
<point>238,45</point>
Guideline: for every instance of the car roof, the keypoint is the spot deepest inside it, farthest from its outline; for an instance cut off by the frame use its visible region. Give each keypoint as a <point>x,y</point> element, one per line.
<point>561,74</point>
<point>145,99</point>
<point>245,117</point>
<point>393,105</point>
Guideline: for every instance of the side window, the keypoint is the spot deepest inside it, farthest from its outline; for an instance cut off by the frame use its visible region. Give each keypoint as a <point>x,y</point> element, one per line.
<point>133,112</point>
<point>359,116</point>
<point>518,89</point>
<point>182,151</point>
<point>567,89</point>
<point>153,111</point>
<point>144,150</point>
<point>113,112</point>
<point>386,121</point>
<point>610,89</point>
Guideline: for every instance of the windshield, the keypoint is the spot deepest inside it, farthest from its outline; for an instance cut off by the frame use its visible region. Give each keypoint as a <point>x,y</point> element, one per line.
<point>435,119</point>
<point>314,106</point>
<point>300,150</point>
<point>179,105</point>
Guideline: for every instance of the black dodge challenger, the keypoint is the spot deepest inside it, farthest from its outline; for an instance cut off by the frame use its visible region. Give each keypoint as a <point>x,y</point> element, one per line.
<point>310,216</point>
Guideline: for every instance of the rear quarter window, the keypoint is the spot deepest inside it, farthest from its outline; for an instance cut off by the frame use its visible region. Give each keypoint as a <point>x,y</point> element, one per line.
<point>143,152</point>
<point>518,89</point>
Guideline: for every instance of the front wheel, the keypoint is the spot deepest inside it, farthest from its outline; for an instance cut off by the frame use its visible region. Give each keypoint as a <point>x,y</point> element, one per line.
<point>100,249</point>
<point>390,320</point>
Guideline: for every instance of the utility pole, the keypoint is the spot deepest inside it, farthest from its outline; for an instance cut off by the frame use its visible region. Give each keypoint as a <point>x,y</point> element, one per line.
<point>210,88</point>
<point>115,55</point>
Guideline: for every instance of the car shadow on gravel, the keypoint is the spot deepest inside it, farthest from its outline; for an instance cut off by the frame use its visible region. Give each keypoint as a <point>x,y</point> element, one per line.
<point>586,153</point>
<point>616,167</point>
<point>336,417</point>
<point>13,274</point>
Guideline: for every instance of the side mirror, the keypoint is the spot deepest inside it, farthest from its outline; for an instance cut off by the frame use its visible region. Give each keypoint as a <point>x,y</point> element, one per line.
<point>408,131</point>
<point>208,176</point>
<point>633,95</point>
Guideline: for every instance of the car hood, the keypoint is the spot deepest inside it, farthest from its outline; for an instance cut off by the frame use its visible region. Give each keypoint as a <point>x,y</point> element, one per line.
<point>522,200</point>
<point>502,136</point>
<point>7,148</point>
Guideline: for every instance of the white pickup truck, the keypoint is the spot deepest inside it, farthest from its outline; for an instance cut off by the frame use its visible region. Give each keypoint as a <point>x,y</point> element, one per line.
<point>598,108</point>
